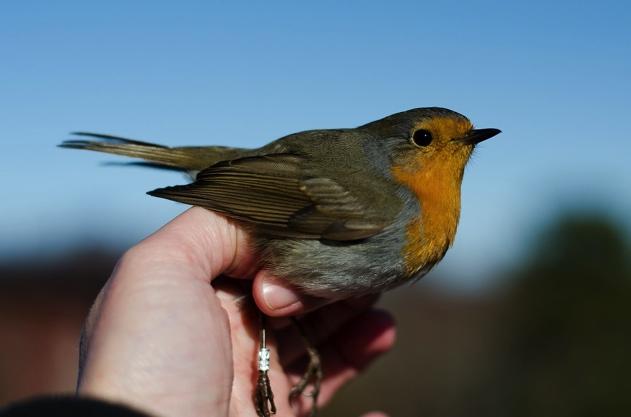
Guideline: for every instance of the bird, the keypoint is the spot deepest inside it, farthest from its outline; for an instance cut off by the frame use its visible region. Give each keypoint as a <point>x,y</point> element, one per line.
<point>336,213</point>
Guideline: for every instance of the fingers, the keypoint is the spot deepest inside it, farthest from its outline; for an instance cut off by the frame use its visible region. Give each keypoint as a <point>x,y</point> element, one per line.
<point>354,348</point>
<point>351,349</point>
<point>319,326</point>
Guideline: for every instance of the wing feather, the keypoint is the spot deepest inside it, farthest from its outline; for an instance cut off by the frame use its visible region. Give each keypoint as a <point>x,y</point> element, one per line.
<point>271,193</point>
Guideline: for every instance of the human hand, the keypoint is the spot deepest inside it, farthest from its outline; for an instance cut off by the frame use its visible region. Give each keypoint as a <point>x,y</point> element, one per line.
<point>162,339</point>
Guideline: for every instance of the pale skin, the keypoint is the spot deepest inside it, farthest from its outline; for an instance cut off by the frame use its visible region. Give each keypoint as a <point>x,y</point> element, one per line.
<point>161,339</point>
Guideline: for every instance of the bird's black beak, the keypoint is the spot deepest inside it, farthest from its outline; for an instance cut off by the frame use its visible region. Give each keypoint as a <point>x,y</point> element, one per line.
<point>478,135</point>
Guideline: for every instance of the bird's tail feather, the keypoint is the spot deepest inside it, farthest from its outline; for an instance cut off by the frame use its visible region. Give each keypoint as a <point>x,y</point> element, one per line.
<point>179,158</point>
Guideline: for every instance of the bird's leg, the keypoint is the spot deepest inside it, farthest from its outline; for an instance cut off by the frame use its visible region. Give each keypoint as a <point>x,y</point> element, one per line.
<point>263,395</point>
<point>313,373</point>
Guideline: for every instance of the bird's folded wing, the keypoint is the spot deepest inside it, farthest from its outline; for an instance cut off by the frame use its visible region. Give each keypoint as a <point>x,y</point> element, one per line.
<point>272,193</point>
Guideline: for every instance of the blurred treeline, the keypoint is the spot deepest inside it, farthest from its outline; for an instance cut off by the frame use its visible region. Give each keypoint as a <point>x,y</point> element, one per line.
<point>554,340</point>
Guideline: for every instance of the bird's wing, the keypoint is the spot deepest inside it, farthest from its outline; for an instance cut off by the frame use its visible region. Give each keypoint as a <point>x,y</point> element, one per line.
<point>271,193</point>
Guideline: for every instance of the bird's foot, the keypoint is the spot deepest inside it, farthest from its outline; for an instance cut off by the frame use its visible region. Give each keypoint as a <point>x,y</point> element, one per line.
<point>264,397</point>
<point>312,375</point>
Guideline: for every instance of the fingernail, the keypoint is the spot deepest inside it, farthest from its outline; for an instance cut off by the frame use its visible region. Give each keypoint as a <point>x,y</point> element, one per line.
<point>277,297</point>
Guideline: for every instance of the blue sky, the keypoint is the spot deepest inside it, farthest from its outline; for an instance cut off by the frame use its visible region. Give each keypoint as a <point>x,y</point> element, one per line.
<point>554,77</point>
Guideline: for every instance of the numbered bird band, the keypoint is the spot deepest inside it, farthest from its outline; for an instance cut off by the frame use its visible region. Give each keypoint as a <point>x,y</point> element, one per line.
<point>263,359</point>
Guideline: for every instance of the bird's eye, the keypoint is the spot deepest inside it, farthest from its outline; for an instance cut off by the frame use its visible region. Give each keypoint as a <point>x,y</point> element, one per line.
<point>422,138</point>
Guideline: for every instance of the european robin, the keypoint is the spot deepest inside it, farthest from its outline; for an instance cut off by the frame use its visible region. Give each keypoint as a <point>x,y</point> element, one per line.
<point>335,212</point>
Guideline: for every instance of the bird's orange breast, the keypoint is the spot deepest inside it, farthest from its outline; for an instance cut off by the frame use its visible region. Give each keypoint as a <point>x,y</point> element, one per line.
<point>437,187</point>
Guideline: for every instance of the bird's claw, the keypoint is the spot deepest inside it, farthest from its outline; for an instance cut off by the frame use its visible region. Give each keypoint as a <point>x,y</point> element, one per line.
<point>312,375</point>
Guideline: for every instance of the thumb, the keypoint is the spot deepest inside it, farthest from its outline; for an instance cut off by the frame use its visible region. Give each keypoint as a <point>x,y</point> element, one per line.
<point>277,298</point>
